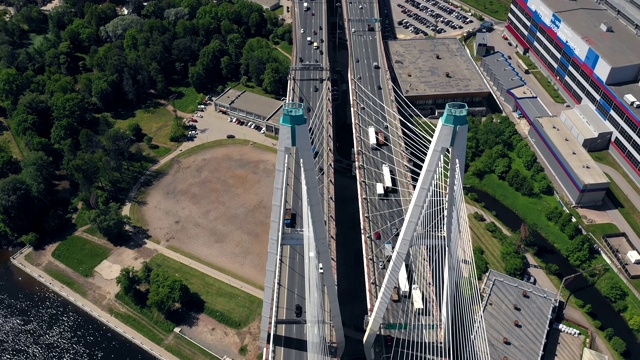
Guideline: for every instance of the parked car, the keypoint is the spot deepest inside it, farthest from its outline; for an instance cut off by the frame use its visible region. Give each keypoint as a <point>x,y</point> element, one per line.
<point>231,136</point>
<point>298,310</point>
<point>376,235</point>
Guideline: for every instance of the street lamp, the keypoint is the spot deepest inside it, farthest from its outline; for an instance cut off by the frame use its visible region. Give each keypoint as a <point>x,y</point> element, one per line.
<point>574,275</point>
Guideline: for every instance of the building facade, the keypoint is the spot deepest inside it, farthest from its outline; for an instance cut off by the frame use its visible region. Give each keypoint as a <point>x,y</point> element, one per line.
<point>593,55</point>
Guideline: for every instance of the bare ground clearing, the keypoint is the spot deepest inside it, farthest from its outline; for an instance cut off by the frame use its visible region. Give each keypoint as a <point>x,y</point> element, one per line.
<point>216,205</point>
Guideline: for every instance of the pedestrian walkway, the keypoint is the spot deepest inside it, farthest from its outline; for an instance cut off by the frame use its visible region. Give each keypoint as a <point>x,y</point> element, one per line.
<point>89,307</point>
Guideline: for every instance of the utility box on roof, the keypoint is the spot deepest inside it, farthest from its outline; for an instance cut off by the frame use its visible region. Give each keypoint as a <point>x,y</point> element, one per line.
<point>634,257</point>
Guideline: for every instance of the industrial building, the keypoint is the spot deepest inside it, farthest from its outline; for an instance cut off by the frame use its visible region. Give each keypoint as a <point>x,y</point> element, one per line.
<point>245,105</point>
<point>508,83</point>
<point>481,43</point>
<point>591,48</point>
<point>586,127</point>
<point>517,317</point>
<point>433,72</point>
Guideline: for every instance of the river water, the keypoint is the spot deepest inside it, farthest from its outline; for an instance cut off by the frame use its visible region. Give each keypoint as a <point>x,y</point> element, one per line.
<point>36,323</point>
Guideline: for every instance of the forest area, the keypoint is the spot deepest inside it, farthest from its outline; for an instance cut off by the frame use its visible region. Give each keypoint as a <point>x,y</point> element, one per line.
<point>69,75</point>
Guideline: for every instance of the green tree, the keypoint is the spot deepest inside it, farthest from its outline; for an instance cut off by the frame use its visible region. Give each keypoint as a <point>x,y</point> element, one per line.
<point>618,345</point>
<point>128,281</point>
<point>609,333</point>
<point>634,323</point>
<point>552,269</point>
<point>502,167</point>
<point>136,131</point>
<point>482,266</point>
<point>572,230</point>
<point>109,221</point>
<point>8,165</point>
<point>166,292</point>
<point>614,291</point>
<point>29,239</point>
<point>148,140</point>
<point>117,28</point>
<point>144,274</point>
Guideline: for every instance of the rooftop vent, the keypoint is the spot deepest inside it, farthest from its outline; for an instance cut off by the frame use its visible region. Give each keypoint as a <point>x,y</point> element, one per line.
<point>438,56</point>
<point>525,294</point>
<point>515,307</point>
<point>604,26</point>
<point>505,341</point>
<point>516,323</point>
<point>447,74</point>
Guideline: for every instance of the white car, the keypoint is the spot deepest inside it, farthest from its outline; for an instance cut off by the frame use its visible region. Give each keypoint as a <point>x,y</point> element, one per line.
<point>262,131</point>
<point>301,31</point>
<point>353,30</point>
<point>320,268</point>
<point>360,6</point>
<point>199,115</point>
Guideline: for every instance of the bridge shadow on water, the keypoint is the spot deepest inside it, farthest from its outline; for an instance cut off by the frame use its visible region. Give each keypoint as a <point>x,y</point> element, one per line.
<point>602,309</point>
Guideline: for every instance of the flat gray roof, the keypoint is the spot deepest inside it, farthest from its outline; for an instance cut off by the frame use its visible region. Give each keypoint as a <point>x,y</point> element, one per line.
<point>629,88</point>
<point>482,37</point>
<point>250,102</point>
<point>419,72</point>
<point>533,108</point>
<point>507,300</point>
<point>577,158</point>
<point>504,70</point>
<point>586,121</point>
<point>619,47</point>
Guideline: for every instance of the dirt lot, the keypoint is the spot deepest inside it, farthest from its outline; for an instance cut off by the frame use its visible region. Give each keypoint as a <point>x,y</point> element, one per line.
<point>216,204</point>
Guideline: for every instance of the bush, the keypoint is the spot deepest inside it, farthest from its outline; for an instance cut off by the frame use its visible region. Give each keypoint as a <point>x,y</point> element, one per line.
<point>614,292</point>
<point>148,140</point>
<point>579,303</point>
<point>243,350</point>
<point>609,334</point>
<point>597,324</point>
<point>634,323</point>
<point>478,216</point>
<point>618,345</point>
<point>554,214</point>
<point>482,266</point>
<point>553,269</point>
<point>620,306</point>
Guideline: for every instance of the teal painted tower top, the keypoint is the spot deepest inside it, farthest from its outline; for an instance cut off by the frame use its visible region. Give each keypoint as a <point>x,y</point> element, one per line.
<point>455,114</point>
<point>292,116</point>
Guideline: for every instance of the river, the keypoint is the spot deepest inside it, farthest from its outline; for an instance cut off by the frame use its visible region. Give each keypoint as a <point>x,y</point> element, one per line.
<point>579,287</point>
<point>36,323</point>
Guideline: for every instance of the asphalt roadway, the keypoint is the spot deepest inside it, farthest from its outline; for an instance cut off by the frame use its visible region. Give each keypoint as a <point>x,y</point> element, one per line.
<point>290,341</point>
<point>371,93</point>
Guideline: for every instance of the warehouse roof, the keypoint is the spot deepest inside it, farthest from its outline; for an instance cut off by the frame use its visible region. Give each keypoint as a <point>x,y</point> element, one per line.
<point>585,119</point>
<point>250,102</point>
<point>533,108</point>
<point>517,312</point>
<point>619,47</point>
<point>503,70</point>
<point>577,158</point>
<point>421,67</point>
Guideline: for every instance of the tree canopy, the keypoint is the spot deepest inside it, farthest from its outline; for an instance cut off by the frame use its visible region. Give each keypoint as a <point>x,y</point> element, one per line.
<point>65,75</point>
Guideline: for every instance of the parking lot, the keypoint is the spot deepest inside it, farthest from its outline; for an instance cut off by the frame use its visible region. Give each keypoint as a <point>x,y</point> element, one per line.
<point>413,18</point>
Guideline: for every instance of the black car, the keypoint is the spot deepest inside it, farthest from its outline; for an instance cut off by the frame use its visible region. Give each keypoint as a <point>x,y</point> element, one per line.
<point>231,136</point>
<point>298,310</point>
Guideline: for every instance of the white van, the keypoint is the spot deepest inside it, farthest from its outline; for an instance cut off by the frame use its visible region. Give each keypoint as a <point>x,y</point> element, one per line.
<point>306,7</point>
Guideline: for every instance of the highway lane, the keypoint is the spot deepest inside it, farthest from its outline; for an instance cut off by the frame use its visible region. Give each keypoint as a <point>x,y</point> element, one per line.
<point>370,97</point>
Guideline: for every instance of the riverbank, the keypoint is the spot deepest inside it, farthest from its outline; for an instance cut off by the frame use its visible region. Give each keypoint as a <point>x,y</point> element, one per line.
<point>153,349</point>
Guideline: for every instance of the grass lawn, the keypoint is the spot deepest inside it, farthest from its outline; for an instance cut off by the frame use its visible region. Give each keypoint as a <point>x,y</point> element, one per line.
<point>491,246</point>
<point>469,45</point>
<point>531,210</point>
<point>605,157</point>
<point>187,99</point>
<point>495,8</point>
<point>279,11</point>
<point>160,151</point>
<point>7,141</point>
<point>215,267</point>
<point>600,229</point>
<point>527,61</point>
<point>95,232</point>
<point>82,217</point>
<point>284,46</point>
<point>548,86</point>
<point>80,255</point>
<point>225,303</point>
<point>155,122</point>
<point>66,280</point>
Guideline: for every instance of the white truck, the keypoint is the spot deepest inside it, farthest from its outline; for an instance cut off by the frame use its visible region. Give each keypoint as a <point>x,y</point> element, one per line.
<point>372,137</point>
<point>388,250</point>
<point>631,100</point>
<point>416,297</point>
<point>386,176</point>
<point>306,7</point>
<point>380,190</point>
<point>403,281</point>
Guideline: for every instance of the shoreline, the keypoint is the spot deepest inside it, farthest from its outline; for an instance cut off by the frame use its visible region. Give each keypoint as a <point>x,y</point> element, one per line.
<point>88,307</point>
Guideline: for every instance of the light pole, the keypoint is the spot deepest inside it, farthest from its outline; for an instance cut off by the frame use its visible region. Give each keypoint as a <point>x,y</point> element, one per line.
<point>574,275</point>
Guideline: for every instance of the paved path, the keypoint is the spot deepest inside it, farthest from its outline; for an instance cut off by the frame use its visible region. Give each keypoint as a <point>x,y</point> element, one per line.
<point>90,308</point>
<point>544,282</point>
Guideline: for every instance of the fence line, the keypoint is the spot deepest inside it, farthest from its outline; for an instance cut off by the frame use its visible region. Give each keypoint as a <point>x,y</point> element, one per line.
<point>14,261</point>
